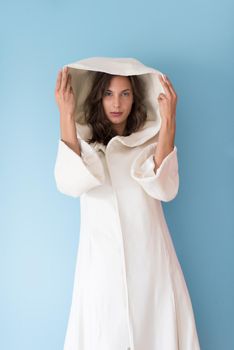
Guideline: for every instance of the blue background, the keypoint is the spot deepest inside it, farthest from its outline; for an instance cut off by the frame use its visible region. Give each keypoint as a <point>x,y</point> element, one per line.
<point>191,42</point>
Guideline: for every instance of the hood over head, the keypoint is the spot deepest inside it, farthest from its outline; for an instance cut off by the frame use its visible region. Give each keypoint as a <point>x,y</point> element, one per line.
<point>82,77</point>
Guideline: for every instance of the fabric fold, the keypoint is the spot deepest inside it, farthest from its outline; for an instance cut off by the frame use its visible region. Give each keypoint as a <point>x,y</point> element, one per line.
<point>74,174</point>
<point>162,183</point>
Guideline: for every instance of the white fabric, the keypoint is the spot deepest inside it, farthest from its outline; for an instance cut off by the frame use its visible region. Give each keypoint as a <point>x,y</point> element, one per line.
<point>164,184</point>
<point>129,290</point>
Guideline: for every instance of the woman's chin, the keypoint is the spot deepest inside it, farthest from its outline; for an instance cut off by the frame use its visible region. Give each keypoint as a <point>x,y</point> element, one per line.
<point>117,120</point>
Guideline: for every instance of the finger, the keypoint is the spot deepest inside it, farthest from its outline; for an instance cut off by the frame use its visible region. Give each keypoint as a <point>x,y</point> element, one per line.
<point>165,86</point>
<point>64,79</point>
<point>162,97</point>
<point>170,86</point>
<point>68,85</point>
<point>58,81</point>
<point>71,88</point>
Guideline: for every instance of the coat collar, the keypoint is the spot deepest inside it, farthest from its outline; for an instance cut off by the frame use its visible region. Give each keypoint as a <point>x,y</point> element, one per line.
<point>149,130</point>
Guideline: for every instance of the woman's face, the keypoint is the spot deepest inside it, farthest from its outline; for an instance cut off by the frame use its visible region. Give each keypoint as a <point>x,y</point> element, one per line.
<point>118,98</point>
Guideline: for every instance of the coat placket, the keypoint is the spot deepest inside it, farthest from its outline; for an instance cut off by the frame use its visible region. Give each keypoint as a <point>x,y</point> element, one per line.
<point>130,330</point>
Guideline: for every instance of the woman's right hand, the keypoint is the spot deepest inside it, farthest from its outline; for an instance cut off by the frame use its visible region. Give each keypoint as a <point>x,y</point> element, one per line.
<point>64,94</point>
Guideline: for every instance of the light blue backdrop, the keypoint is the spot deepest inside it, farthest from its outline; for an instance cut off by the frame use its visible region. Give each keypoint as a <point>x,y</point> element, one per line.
<point>191,42</point>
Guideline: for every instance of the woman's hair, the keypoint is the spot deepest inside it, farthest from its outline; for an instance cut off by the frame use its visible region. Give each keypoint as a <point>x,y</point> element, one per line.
<point>102,129</point>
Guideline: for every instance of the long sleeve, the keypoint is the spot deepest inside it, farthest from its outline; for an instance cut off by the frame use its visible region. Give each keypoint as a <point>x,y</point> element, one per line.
<point>162,185</point>
<point>76,174</point>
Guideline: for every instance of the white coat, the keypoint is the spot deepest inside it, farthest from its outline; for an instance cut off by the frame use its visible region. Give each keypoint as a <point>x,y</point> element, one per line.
<point>129,290</point>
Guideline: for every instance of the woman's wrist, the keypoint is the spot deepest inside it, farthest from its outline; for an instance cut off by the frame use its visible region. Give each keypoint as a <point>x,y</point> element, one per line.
<point>67,117</point>
<point>168,125</point>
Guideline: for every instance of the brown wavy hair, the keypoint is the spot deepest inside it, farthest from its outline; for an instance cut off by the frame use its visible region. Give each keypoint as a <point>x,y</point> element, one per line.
<point>102,129</point>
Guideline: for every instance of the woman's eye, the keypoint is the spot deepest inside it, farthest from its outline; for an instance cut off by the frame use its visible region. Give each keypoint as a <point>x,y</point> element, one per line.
<point>107,93</point>
<point>126,93</point>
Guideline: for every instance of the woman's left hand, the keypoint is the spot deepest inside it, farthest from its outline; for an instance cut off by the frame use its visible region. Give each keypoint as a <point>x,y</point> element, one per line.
<point>167,106</point>
<point>167,102</point>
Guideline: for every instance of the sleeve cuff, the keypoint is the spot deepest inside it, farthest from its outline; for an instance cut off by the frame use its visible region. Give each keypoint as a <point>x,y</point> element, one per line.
<point>76,174</point>
<point>162,185</point>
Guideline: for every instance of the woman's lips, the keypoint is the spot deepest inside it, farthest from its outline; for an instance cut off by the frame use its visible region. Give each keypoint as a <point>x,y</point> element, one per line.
<point>116,114</point>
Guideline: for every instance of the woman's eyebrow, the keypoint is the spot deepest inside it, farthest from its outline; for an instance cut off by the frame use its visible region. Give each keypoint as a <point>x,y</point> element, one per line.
<point>121,91</point>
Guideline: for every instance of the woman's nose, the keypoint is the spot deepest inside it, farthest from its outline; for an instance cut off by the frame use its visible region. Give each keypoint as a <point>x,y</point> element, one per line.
<point>116,101</point>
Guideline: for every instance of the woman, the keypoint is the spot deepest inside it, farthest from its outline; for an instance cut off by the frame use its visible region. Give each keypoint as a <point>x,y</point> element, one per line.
<point>116,152</point>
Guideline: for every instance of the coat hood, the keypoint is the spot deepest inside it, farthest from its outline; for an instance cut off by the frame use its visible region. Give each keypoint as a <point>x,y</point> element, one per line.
<point>82,77</point>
